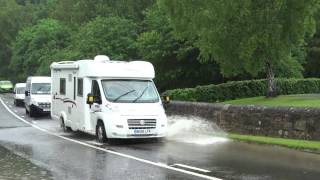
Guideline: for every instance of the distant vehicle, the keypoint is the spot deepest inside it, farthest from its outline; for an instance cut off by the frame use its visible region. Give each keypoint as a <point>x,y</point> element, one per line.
<point>19,93</point>
<point>38,95</point>
<point>109,99</point>
<point>6,86</point>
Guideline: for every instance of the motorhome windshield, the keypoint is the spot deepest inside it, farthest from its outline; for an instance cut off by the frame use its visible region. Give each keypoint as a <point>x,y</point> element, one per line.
<point>130,91</point>
<point>20,90</point>
<point>41,88</point>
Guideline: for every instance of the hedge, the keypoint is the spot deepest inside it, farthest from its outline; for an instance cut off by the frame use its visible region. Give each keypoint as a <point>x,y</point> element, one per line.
<point>243,89</point>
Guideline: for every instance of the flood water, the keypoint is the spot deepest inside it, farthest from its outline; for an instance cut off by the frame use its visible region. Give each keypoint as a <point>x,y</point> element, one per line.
<point>13,166</point>
<point>194,130</point>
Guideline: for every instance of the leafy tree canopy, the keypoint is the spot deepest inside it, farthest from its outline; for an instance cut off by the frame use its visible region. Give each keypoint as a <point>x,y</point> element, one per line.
<point>113,36</point>
<point>175,60</point>
<point>244,35</point>
<point>36,46</point>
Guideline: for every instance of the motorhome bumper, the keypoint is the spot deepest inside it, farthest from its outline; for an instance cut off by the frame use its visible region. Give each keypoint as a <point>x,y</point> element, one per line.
<point>135,136</point>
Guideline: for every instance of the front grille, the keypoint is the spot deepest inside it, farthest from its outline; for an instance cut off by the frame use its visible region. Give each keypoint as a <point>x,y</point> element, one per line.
<point>44,105</point>
<point>142,123</point>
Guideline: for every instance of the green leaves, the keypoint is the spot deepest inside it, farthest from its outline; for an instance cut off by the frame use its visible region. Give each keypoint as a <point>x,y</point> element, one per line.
<point>113,36</point>
<point>36,47</point>
<point>243,35</point>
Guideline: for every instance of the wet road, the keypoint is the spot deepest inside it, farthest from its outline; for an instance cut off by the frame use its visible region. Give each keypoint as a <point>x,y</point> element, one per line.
<point>78,156</point>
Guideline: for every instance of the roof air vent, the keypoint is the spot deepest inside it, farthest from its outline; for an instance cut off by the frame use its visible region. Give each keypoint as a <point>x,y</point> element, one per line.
<point>101,58</point>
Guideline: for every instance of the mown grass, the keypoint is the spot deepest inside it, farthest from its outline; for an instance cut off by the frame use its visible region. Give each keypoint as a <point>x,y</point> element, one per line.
<point>290,143</point>
<point>300,100</point>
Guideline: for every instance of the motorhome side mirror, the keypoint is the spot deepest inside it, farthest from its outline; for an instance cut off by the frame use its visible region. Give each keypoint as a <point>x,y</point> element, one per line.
<point>90,99</point>
<point>166,99</point>
<point>27,93</point>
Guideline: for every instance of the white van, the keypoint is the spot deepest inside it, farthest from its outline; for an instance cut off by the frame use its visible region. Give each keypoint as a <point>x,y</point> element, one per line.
<point>19,93</point>
<point>38,95</point>
<point>109,99</point>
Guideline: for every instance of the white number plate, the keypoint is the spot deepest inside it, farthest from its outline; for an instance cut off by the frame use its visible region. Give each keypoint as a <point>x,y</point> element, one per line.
<point>142,131</point>
<point>46,110</point>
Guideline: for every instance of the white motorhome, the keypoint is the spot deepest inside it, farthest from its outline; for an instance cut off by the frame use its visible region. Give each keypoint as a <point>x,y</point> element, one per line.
<point>19,93</point>
<point>38,95</point>
<point>109,99</point>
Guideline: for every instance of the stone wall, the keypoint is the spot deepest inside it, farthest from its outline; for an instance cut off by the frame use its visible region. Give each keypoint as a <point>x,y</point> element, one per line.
<point>299,123</point>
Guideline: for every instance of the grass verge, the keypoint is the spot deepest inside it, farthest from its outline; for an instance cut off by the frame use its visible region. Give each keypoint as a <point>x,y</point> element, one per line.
<point>299,100</point>
<point>290,143</point>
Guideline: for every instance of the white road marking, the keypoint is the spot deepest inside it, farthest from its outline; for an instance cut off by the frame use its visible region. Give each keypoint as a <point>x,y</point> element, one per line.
<point>191,167</point>
<point>94,143</point>
<point>165,166</point>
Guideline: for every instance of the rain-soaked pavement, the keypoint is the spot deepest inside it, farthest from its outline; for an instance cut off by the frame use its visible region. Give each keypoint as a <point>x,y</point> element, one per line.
<point>13,166</point>
<point>188,144</point>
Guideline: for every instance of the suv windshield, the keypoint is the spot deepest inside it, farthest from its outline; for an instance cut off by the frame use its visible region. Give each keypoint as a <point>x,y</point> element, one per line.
<point>5,83</point>
<point>20,90</point>
<point>142,91</point>
<point>41,88</point>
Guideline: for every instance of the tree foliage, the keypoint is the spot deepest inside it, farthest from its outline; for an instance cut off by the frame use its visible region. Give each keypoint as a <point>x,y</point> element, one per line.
<point>189,42</point>
<point>245,36</point>
<point>175,60</point>
<point>113,36</point>
<point>36,47</point>
<point>12,19</point>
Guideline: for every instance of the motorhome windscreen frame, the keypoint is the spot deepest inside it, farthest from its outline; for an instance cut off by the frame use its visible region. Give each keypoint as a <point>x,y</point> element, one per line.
<point>130,91</point>
<point>41,88</point>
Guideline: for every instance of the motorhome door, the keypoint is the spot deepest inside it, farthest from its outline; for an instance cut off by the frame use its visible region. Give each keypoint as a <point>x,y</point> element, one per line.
<point>96,106</point>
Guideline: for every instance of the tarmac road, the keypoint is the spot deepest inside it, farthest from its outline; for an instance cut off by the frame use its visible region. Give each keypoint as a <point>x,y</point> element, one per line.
<point>76,155</point>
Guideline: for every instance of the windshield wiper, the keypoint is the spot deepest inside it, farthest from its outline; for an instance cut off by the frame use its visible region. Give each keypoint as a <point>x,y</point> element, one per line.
<point>124,94</point>
<point>145,89</point>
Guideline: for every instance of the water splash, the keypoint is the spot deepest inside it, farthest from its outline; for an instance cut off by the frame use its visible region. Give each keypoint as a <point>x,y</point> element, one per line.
<point>194,130</point>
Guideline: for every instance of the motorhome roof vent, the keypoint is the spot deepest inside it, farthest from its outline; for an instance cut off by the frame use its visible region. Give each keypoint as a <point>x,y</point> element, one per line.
<point>101,58</point>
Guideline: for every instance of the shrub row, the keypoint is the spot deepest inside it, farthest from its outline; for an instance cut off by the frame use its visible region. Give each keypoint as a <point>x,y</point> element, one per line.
<point>243,89</point>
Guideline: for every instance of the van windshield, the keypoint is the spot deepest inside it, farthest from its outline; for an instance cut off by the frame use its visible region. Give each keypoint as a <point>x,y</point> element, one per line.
<point>41,88</point>
<point>20,90</point>
<point>130,91</point>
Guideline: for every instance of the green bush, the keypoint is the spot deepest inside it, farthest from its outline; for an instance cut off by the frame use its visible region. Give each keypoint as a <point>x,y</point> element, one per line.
<point>244,89</point>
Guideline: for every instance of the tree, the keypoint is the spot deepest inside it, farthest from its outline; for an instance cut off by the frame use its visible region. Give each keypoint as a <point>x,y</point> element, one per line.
<point>12,18</point>
<point>175,60</point>
<point>245,36</point>
<point>37,46</point>
<point>112,36</point>
<point>77,12</point>
<point>312,64</point>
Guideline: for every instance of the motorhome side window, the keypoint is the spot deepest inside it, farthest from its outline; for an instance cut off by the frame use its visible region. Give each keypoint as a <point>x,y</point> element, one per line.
<point>62,86</point>
<point>80,87</point>
<point>96,92</point>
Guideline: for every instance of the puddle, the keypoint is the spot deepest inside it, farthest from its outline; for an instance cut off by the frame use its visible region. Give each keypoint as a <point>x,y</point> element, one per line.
<point>194,130</point>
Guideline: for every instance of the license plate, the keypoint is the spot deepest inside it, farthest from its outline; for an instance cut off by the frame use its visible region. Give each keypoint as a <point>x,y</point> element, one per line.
<point>46,110</point>
<point>142,131</point>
